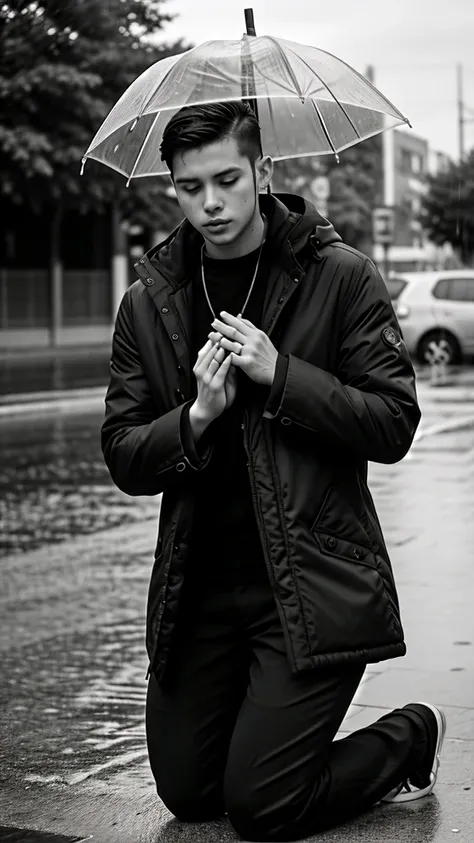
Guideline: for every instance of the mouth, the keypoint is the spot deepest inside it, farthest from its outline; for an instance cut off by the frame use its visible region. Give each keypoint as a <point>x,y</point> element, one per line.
<point>217,225</point>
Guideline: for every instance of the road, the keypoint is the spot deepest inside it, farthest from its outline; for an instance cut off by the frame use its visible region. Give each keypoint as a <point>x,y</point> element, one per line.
<point>76,557</point>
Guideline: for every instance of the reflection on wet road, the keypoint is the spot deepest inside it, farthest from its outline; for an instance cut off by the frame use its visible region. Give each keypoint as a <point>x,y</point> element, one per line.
<point>73,659</point>
<point>54,483</point>
<point>86,714</point>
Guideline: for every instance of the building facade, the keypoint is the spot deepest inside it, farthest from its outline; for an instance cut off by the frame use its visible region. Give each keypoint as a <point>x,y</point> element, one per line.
<point>62,277</point>
<point>411,161</point>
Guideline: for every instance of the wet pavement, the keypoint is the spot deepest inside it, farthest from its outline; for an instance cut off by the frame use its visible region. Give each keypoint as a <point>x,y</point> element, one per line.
<point>23,372</point>
<point>54,483</point>
<point>73,583</point>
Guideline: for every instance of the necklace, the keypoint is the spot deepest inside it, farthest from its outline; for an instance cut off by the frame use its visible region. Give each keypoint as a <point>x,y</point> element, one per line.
<point>251,285</point>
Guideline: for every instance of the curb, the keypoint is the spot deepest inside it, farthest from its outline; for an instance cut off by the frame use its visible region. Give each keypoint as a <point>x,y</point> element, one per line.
<point>24,403</point>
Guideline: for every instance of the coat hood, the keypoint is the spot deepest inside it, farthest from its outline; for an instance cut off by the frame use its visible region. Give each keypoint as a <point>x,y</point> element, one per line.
<point>293,222</point>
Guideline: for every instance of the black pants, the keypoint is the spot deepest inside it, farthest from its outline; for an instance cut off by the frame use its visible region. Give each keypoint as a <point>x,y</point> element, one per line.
<point>231,730</point>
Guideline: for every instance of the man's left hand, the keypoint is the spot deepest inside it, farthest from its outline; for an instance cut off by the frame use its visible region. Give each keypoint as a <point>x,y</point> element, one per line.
<point>251,350</point>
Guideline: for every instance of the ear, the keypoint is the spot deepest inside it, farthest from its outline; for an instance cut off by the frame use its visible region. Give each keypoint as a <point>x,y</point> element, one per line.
<point>264,168</point>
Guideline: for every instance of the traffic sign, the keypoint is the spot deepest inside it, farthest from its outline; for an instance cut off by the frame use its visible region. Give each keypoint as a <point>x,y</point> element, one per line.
<point>383,225</point>
<point>320,187</point>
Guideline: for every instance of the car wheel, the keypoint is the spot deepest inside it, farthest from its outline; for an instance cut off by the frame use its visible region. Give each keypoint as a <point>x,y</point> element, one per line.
<point>439,348</point>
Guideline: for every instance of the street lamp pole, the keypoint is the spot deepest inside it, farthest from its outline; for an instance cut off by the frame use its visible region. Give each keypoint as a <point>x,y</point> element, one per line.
<point>460,112</point>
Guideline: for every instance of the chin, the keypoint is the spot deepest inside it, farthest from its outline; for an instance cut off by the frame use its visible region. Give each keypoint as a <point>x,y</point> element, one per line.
<point>225,238</point>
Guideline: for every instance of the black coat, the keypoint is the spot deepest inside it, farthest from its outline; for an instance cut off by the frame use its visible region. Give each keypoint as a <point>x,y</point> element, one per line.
<point>349,397</point>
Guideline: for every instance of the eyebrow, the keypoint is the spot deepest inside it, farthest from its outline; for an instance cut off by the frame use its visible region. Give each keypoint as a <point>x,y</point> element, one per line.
<point>226,172</point>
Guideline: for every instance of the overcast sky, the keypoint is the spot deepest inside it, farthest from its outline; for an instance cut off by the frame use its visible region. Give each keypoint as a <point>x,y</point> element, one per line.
<point>413,44</point>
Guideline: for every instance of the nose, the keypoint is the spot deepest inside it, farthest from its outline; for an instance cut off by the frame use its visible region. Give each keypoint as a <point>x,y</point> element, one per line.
<point>212,202</point>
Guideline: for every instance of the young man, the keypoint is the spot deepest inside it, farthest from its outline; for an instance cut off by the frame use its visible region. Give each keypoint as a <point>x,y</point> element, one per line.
<point>257,366</point>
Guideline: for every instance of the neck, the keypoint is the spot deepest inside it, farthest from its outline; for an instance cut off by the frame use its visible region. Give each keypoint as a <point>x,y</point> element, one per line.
<point>249,240</point>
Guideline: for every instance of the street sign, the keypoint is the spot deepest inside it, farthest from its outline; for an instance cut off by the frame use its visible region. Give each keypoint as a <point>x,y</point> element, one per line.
<point>383,225</point>
<point>320,189</point>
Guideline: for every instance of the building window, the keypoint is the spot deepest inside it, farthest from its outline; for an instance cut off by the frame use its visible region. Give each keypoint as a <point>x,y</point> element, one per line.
<point>416,164</point>
<point>405,161</point>
<point>411,163</point>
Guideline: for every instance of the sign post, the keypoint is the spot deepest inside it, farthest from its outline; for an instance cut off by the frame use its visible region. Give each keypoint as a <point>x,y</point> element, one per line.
<point>383,229</point>
<point>320,188</point>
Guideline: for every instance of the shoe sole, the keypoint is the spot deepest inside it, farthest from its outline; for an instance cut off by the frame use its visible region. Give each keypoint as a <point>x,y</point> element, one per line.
<point>412,795</point>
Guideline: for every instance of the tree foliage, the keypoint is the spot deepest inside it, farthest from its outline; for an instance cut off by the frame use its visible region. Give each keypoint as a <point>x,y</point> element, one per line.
<point>448,208</point>
<point>64,64</point>
<point>355,186</point>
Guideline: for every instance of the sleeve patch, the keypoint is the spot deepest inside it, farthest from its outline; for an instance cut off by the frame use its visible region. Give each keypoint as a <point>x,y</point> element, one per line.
<point>391,337</point>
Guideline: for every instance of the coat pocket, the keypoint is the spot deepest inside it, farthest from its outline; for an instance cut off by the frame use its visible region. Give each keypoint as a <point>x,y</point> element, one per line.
<point>352,607</point>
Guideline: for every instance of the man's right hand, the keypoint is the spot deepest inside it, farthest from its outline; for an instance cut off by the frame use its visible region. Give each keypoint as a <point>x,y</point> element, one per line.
<point>216,385</point>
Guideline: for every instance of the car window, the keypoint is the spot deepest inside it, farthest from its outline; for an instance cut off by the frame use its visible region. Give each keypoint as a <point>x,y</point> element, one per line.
<point>395,286</point>
<point>455,289</point>
<point>442,289</point>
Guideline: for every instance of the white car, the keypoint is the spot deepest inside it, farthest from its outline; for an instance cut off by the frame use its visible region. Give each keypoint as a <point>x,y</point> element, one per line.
<point>436,313</point>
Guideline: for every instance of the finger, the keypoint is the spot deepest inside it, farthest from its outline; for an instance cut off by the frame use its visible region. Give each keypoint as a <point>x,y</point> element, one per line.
<point>229,331</point>
<point>203,351</point>
<point>212,369</point>
<point>215,337</point>
<point>229,345</point>
<point>220,355</point>
<point>242,325</point>
<point>237,361</point>
<point>203,361</point>
<point>246,322</point>
<point>218,380</point>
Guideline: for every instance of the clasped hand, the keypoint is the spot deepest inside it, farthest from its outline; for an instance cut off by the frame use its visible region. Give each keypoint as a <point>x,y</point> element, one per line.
<point>250,348</point>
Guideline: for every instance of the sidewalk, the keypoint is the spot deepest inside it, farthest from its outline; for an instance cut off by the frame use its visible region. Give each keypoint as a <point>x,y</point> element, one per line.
<point>47,374</point>
<point>74,664</point>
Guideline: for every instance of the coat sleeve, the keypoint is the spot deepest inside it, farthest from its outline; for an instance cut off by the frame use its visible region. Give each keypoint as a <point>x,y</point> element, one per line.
<point>145,454</point>
<point>369,406</point>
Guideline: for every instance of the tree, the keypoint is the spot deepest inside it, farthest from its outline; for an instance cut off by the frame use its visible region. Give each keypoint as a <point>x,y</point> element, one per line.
<point>355,190</point>
<point>64,64</point>
<point>448,208</point>
<point>355,186</point>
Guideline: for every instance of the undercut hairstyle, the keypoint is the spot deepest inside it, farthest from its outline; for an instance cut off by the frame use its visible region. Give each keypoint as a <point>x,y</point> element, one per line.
<point>195,126</point>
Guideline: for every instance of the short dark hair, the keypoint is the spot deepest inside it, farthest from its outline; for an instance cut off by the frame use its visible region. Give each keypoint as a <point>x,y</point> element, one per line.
<point>198,125</point>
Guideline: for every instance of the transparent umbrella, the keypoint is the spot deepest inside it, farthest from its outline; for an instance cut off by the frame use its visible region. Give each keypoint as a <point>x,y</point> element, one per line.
<point>309,102</point>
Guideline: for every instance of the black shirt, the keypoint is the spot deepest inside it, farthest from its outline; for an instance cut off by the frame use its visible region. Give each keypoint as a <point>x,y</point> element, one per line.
<point>225,543</point>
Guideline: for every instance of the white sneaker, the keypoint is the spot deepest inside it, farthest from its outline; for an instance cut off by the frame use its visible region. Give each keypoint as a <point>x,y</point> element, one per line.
<point>422,781</point>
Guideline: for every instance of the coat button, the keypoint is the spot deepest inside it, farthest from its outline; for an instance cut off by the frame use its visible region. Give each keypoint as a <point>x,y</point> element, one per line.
<point>149,282</point>
<point>181,466</point>
<point>331,542</point>
<point>175,337</point>
<point>281,300</point>
<point>358,553</point>
<point>181,371</point>
<point>165,310</point>
<point>179,395</point>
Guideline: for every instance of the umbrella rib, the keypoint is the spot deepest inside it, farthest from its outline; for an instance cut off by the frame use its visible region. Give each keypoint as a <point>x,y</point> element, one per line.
<point>140,151</point>
<point>367,82</point>
<point>288,66</point>
<point>325,128</point>
<point>332,94</point>
<point>168,72</point>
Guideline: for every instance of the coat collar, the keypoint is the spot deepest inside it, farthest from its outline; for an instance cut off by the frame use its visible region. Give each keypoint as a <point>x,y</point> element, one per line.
<point>292,223</point>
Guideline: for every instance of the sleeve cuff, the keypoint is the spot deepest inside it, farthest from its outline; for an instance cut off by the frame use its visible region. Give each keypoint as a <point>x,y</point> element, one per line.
<point>197,453</point>
<point>273,405</point>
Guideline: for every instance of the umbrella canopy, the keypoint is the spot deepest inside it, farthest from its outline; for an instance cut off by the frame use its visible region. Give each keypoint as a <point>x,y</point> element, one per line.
<point>309,102</point>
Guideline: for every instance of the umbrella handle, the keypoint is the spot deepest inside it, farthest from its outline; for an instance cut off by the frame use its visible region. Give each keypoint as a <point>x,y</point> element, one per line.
<point>250,22</point>
<point>250,27</point>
